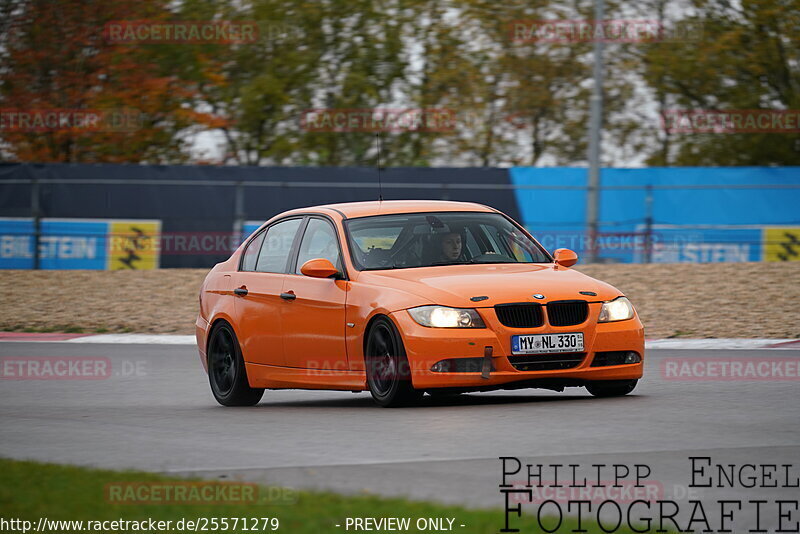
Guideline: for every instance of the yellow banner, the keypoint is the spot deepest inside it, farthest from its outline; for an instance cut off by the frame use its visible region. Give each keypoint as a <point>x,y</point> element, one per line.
<point>781,244</point>
<point>134,245</point>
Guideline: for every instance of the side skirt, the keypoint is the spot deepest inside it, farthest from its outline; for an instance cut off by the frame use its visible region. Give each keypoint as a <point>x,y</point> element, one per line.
<point>274,377</point>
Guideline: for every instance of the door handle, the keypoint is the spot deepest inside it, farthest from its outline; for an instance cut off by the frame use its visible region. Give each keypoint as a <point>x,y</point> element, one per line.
<point>241,291</point>
<point>288,296</point>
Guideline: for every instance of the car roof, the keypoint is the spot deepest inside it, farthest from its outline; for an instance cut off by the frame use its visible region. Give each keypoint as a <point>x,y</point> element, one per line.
<point>352,210</point>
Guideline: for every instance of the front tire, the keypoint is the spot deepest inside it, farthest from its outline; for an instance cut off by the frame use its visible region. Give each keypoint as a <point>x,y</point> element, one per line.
<point>611,388</point>
<point>226,371</point>
<point>388,372</point>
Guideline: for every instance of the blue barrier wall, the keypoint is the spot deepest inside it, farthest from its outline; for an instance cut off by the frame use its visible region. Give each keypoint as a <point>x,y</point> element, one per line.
<point>713,223</point>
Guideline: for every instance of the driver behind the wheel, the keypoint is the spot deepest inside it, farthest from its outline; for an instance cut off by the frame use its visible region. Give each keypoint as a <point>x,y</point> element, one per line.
<point>451,245</point>
<point>445,247</point>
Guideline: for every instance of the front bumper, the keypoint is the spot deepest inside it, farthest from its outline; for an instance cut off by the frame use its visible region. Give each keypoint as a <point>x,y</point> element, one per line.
<point>426,346</point>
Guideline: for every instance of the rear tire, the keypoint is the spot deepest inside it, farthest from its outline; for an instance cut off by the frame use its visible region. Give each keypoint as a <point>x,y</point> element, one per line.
<point>227,374</point>
<point>611,388</point>
<point>388,372</point>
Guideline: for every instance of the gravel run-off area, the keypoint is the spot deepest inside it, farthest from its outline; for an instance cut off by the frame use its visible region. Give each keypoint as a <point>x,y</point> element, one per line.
<point>756,300</point>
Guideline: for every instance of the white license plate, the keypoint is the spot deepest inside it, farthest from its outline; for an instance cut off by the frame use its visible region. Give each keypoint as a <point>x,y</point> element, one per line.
<point>547,343</point>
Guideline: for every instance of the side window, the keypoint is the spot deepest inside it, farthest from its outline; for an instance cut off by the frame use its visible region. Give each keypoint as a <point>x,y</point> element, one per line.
<point>251,253</point>
<point>319,241</point>
<point>277,245</point>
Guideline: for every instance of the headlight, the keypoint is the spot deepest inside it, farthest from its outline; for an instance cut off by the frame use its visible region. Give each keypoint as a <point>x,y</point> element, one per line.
<point>618,309</point>
<point>443,317</point>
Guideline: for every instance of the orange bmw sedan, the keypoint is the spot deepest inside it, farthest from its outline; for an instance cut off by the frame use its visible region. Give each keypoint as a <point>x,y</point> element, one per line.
<point>406,297</point>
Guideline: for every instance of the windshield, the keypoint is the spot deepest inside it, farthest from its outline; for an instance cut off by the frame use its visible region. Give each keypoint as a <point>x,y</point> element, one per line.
<point>448,238</point>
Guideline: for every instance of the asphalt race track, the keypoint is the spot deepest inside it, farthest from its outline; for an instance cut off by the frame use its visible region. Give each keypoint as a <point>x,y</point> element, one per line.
<point>155,412</point>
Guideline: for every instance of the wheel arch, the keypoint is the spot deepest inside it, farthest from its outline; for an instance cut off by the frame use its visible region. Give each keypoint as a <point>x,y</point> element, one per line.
<point>216,321</point>
<point>372,320</point>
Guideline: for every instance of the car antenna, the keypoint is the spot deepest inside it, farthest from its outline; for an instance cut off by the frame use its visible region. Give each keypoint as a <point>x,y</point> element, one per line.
<point>380,186</point>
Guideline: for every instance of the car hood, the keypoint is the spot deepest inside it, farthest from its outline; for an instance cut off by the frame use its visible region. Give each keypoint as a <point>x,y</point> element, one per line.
<point>454,285</point>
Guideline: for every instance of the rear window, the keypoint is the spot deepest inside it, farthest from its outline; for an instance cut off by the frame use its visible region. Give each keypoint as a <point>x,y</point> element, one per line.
<point>251,253</point>
<point>274,254</point>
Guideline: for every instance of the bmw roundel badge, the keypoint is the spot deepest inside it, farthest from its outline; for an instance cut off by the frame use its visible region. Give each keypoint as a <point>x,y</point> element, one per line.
<point>538,296</point>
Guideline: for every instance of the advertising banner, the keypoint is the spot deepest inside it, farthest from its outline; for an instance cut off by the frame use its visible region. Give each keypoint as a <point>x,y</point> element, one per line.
<point>94,244</point>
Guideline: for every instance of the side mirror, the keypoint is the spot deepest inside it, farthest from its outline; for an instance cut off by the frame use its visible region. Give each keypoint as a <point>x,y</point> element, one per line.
<point>565,257</point>
<point>319,268</point>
